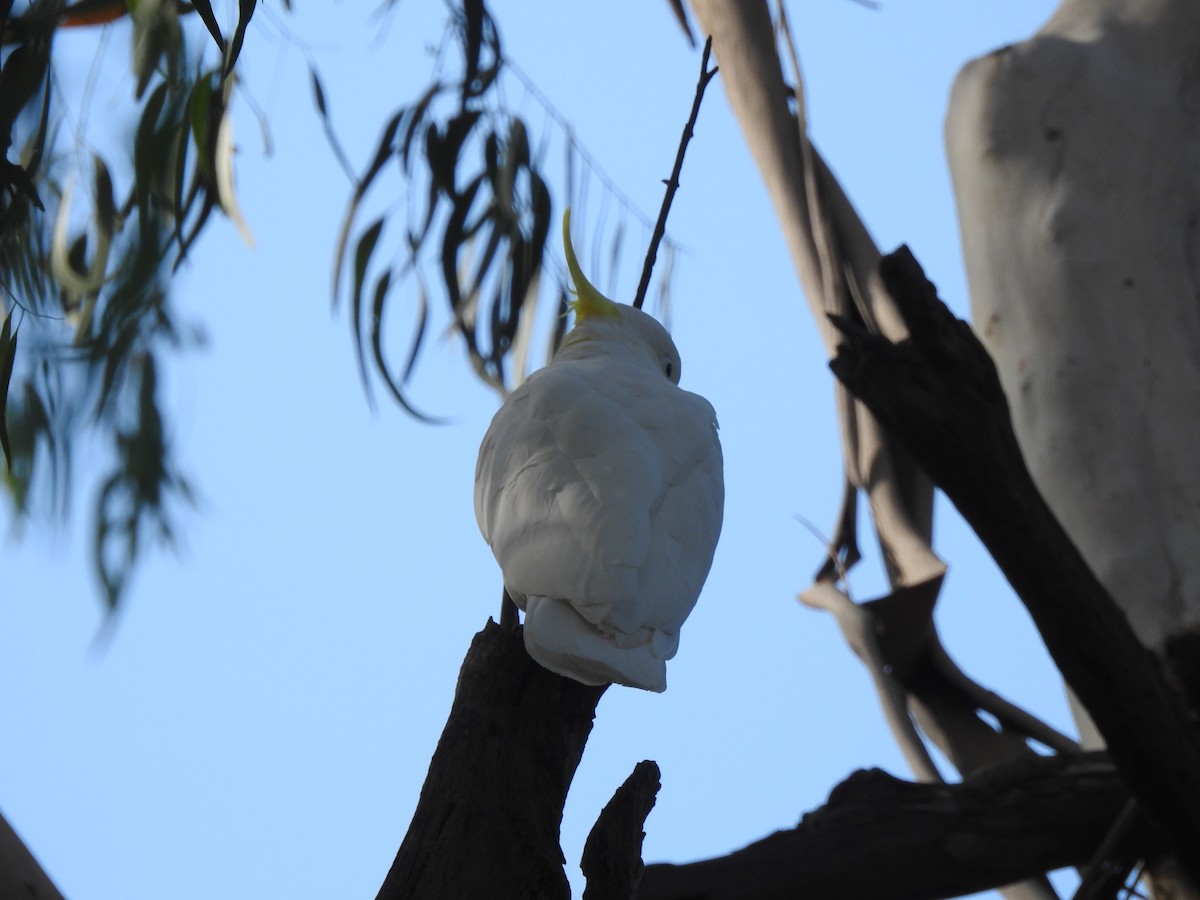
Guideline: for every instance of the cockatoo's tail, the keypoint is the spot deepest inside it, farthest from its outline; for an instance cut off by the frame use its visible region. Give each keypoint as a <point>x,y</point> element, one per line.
<point>588,301</point>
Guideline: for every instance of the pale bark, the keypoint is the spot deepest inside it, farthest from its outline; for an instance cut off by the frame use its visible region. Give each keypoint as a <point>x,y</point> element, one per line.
<point>1075,157</point>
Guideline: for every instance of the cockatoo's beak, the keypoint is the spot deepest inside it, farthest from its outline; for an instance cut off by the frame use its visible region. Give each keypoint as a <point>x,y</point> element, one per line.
<point>588,301</point>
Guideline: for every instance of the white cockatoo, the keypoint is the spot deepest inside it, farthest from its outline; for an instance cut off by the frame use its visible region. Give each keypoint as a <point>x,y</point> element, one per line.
<point>599,488</point>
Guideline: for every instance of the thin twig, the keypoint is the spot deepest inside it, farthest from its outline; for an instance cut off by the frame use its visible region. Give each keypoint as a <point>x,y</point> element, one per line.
<point>660,227</point>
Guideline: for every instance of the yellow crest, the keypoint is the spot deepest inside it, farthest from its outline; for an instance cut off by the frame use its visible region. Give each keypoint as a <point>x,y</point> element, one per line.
<point>588,301</point>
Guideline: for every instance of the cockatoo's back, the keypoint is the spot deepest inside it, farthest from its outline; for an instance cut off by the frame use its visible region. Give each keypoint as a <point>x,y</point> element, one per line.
<point>599,489</point>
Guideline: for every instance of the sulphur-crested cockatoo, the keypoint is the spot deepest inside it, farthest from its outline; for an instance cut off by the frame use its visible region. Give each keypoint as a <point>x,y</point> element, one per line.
<point>599,489</point>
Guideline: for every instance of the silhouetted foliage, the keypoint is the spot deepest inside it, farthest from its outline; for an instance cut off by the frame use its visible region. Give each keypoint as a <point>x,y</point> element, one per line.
<point>86,272</point>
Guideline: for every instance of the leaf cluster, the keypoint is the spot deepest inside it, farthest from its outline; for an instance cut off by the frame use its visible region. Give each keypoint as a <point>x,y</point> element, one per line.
<point>484,216</point>
<point>85,280</point>
<point>89,245</point>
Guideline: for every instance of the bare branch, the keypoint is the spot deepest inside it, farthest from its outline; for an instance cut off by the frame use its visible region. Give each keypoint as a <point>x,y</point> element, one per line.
<point>880,838</point>
<point>660,227</point>
<point>938,392</point>
<point>612,856</point>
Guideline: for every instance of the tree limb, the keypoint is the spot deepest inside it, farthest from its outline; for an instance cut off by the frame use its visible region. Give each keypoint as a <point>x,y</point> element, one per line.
<point>612,856</point>
<point>880,838</point>
<point>488,819</point>
<point>938,392</point>
<point>20,873</point>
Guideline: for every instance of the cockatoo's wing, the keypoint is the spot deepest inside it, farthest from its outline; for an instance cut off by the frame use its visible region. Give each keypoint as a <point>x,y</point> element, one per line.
<point>599,489</point>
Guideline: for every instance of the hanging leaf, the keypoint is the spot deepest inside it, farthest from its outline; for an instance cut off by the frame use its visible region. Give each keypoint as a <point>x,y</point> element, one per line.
<point>474,14</point>
<point>419,332</point>
<point>148,147</point>
<point>471,190</point>
<point>442,150</point>
<point>362,257</point>
<point>73,282</point>
<point>453,238</point>
<point>516,161</point>
<point>20,79</point>
<point>319,95</point>
<point>156,35</point>
<point>8,354</point>
<point>203,107</point>
<point>381,289</point>
<point>383,152</point>
<point>416,119</point>
<point>245,11</point>
<point>205,10</point>
<point>223,162</point>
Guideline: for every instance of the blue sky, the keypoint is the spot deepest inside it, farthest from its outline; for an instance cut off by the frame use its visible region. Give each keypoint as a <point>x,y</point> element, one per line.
<point>260,721</point>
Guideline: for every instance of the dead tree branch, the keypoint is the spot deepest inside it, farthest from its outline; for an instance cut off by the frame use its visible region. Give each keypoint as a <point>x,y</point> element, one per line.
<point>938,392</point>
<point>612,856</point>
<point>880,838</point>
<point>488,818</point>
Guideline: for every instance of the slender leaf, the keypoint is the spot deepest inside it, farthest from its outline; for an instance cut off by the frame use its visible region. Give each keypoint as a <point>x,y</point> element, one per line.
<point>485,264</point>
<point>442,150</point>
<point>327,123</point>
<point>111,581</point>
<point>20,78</point>
<point>383,152</point>
<point>245,11</point>
<point>381,289</point>
<point>516,160</point>
<point>452,240</point>
<point>115,357</point>
<point>318,95</point>
<point>223,163</point>
<point>422,324</point>
<point>472,33</point>
<point>362,258</point>
<point>416,117</point>
<point>146,146</point>
<point>204,8</point>
<point>106,206</point>
<point>541,208</point>
<point>8,354</point>
<point>202,105</point>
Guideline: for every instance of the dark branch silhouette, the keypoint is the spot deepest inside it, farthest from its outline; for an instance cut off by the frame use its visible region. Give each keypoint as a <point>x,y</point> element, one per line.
<point>672,183</point>
<point>938,392</point>
<point>880,838</point>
